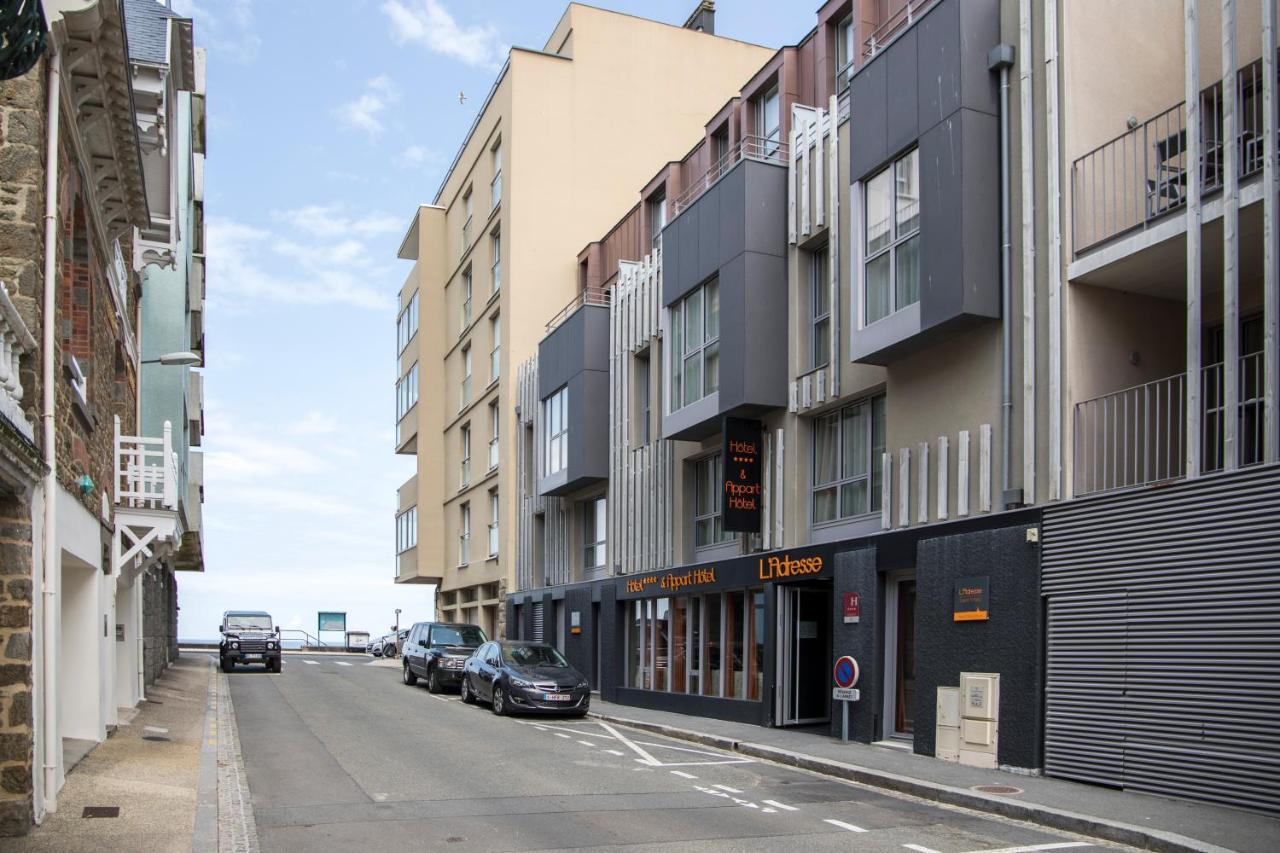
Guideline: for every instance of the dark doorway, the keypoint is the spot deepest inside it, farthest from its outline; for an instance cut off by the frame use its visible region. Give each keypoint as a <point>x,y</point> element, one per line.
<point>804,654</point>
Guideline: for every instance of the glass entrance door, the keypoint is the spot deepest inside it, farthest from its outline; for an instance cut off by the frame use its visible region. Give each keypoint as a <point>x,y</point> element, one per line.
<point>804,652</point>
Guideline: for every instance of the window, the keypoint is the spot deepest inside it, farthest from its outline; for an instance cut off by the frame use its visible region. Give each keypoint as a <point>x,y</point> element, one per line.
<point>844,53</point>
<point>465,399</point>
<point>466,300</point>
<point>495,186</point>
<point>820,306</point>
<point>719,150</point>
<point>407,392</point>
<point>464,535</point>
<point>892,245</point>
<point>464,473</point>
<point>493,435</point>
<point>847,448</point>
<point>595,522</point>
<point>495,354</point>
<point>708,523</point>
<point>695,352</point>
<point>557,420</point>
<point>495,251</point>
<point>493,523</point>
<point>407,530</point>
<point>407,323</point>
<point>657,217</point>
<point>467,210</point>
<point>768,128</point>
<point>641,396</point>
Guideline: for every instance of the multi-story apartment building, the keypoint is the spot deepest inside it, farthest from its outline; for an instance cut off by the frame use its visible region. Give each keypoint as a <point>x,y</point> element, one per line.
<point>563,137</point>
<point>89,505</point>
<point>901,373</point>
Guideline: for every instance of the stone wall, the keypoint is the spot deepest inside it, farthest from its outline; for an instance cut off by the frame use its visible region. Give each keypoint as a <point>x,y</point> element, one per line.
<point>159,621</point>
<point>16,725</point>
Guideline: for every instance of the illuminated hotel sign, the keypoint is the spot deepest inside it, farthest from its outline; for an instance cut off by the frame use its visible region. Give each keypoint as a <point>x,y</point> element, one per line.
<point>782,567</point>
<point>741,491</point>
<point>672,581</point>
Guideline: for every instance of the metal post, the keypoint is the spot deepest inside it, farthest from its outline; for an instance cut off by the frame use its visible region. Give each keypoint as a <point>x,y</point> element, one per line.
<point>844,720</point>
<point>1270,284</point>
<point>1230,241</point>
<point>1191,50</point>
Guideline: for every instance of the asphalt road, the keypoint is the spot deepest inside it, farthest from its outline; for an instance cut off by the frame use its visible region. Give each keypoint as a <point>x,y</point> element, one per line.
<point>341,756</point>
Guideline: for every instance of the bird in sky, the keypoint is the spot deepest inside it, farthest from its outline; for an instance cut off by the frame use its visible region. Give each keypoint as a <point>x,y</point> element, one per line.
<point>462,97</point>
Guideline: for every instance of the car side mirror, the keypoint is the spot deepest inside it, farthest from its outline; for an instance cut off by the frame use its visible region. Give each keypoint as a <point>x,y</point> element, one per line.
<point>422,643</point>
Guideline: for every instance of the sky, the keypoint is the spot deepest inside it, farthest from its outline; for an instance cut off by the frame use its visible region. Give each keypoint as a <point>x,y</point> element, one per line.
<point>329,121</point>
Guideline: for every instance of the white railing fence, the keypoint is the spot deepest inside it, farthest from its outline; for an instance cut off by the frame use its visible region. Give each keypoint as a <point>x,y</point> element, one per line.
<point>15,341</point>
<point>146,472</point>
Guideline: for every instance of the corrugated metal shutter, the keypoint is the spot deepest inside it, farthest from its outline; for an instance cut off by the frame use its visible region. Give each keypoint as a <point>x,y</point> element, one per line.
<point>537,621</point>
<point>1164,639</point>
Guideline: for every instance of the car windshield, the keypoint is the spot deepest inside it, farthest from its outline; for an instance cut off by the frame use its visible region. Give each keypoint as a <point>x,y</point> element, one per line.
<point>457,635</point>
<point>536,656</point>
<point>248,622</point>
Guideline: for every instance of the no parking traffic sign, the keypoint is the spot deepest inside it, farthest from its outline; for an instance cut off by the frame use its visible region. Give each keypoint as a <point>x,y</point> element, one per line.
<point>846,675</point>
<point>846,671</point>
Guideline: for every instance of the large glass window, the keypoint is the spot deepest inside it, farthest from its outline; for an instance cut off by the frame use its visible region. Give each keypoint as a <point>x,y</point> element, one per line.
<point>464,396</point>
<point>407,391</point>
<point>847,447</point>
<point>595,522</point>
<point>557,426</point>
<point>495,186</point>
<point>466,300</point>
<point>708,522</point>
<point>820,305</point>
<point>494,424</point>
<point>768,126</point>
<point>892,238</point>
<point>735,664</point>
<point>679,643</point>
<point>407,323</point>
<point>464,535</point>
<point>495,354</point>
<point>661,642</point>
<point>711,645</point>
<point>657,217</point>
<point>493,523</point>
<point>844,52</point>
<point>495,252</point>
<point>407,530</point>
<point>755,644</point>
<point>695,354</point>
<point>464,466</point>
<point>468,208</point>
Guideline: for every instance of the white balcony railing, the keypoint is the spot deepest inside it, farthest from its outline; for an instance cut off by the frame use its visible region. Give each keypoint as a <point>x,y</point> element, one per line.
<point>15,341</point>
<point>146,470</point>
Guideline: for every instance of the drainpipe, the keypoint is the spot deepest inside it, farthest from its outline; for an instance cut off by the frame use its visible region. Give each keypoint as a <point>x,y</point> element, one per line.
<point>49,550</point>
<point>1001,59</point>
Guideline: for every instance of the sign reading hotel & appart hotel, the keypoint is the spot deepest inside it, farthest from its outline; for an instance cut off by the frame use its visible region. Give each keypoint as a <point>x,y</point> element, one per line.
<point>741,490</point>
<point>797,564</point>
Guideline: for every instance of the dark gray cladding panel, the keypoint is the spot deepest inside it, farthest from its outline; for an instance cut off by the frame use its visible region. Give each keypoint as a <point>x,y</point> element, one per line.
<point>580,343</point>
<point>869,107</point>
<point>1009,643</point>
<point>612,628</point>
<point>580,649</point>
<point>902,119</point>
<point>855,571</point>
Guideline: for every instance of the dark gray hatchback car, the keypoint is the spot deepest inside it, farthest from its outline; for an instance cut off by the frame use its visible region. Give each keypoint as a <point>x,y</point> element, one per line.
<point>519,676</point>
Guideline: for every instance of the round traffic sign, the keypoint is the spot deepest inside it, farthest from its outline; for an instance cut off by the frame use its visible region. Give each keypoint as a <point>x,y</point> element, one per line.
<point>846,672</point>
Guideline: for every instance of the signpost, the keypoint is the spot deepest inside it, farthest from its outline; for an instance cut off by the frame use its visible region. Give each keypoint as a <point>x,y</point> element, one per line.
<point>846,675</point>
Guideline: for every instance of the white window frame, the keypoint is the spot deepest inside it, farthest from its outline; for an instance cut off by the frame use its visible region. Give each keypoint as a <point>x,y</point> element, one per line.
<point>657,207</point>
<point>844,39</point>
<point>707,350</point>
<point>898,239</point>
<point>495,185</point>
<point>468,208</point>
<point>870,405</point>
<point>407,324</point>
<point>819,288</point>
<point>407,392</point>
<point>464,534</point>
<point>468,287</point>
<point>556,418</point>
<point>716,516</point>
<point>594,520</point>
<point>407,530</point>
<point>495,354</point>
<point>769,139</point>
<point>465,398</point>
<point>495,268</point>
<point>494,509</point>
<point>464,464</point>
<point>495,421</point>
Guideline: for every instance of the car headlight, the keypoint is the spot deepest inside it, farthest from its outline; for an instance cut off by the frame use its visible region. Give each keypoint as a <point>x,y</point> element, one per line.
<point>520,682</point>
<point>235,645</point>
<point>271,645</point>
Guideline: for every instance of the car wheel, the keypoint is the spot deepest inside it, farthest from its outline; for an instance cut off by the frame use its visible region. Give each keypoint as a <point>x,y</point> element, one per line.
<point>499,704</point>
<point>409,678</point>
<point>276,665</point>
<point>433,681</point>
<point>464,691</point>
<point>581,713</point>
<point>227,665</point>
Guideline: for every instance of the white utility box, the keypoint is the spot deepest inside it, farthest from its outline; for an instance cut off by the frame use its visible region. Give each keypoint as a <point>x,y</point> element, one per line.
<point>979,718</point>
<point>946,741</point>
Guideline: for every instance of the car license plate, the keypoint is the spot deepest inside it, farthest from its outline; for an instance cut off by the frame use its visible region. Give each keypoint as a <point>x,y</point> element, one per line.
<point>556,697</point>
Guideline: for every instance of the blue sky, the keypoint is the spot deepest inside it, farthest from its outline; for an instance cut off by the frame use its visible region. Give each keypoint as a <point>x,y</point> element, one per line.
<point>329,121</point>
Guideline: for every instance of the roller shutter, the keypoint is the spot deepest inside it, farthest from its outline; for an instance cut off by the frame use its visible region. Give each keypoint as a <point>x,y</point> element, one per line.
<point>537,621</point>
<point>1163,670</point>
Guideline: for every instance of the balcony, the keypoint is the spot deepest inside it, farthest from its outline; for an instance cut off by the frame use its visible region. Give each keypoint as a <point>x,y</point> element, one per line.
<point>1137,436</point>
<point>749,148</point>
<point>574,358</point>
<point>1134,181</point>
<point>15,342</point>
<point>146,497</point>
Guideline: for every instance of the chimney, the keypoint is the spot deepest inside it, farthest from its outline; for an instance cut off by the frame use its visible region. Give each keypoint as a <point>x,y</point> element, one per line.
<point>703,18</point>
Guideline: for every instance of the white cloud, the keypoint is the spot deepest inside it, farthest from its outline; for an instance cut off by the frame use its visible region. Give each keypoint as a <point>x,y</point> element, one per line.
<point>428,23</point>
<point>330,220</point>
<point>364,112</point>
<point>230,30</point>
<point>315,423</point>
<point>418,156</point>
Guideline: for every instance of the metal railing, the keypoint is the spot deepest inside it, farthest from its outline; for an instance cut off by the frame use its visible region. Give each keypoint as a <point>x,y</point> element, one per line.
<point>586,296</point>
<point>892,22</point>
<point>749,148</point>
<point>1138,177</point>
<point>1137,436</point>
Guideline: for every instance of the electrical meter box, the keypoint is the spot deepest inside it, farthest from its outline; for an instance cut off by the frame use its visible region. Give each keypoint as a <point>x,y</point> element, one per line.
<point>980,693</point>
<point>979,718</point>
<point>946,741</point>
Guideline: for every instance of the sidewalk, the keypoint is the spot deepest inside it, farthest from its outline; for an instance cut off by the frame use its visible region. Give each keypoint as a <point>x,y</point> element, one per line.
<point>149,769</point>
<point>1139,820</point>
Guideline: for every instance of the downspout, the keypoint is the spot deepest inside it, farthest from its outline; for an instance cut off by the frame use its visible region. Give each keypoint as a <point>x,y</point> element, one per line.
<point>1001,59</point>
<point>49,596</point>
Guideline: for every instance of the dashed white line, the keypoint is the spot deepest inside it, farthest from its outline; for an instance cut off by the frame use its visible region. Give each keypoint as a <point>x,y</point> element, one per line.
<point>614,752</point>
<point>920,848</point>
<point>683,775</point>
<point>439,698</point>
<point>783,806</point>
<point>844,825</point>
<point>1032,848</point>
<point>561,734</point>
<point>586,743</point>
<point>313,663</point>
<point>727,788</point>
<point>342,663</point>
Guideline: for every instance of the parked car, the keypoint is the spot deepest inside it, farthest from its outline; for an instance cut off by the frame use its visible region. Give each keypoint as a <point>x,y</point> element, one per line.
<point>248,636</point>
<point>516,676</point>
<point>393,643</point>
<point>437,652</point>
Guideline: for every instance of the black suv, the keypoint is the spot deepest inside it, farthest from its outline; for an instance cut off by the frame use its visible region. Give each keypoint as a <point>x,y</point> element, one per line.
<point>248,636</point>
<point>437,651</point>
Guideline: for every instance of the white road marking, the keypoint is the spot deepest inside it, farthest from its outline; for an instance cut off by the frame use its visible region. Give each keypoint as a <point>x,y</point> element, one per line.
<point>727,788</point>
<point>644,756</point>
<point>560,734</point>
<point>371,663</point>
<point>843,825</point>
<point>683,775</point>
<point>616,752</point>
<point>586,743</point>
<point>920,848</point>
<point>313,663</point>
<point>769,811</point>
<point>342,663</point>
<point>439,698</point>
<point>379,797</point>
<point>1032,848</point>
<point>783,806</point>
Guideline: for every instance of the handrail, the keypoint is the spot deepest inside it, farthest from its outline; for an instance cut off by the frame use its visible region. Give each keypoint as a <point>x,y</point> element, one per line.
<point>748,148</point>
<point>587,296</point>
<point>309,640</point>
<point>905,15</point>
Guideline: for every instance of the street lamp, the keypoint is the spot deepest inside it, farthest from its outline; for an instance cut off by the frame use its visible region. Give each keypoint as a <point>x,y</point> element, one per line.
<point>176,359</point>
<point>397,620</point>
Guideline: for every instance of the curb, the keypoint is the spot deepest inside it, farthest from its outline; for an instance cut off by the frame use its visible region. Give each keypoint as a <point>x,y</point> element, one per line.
<point>1047,816</point>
